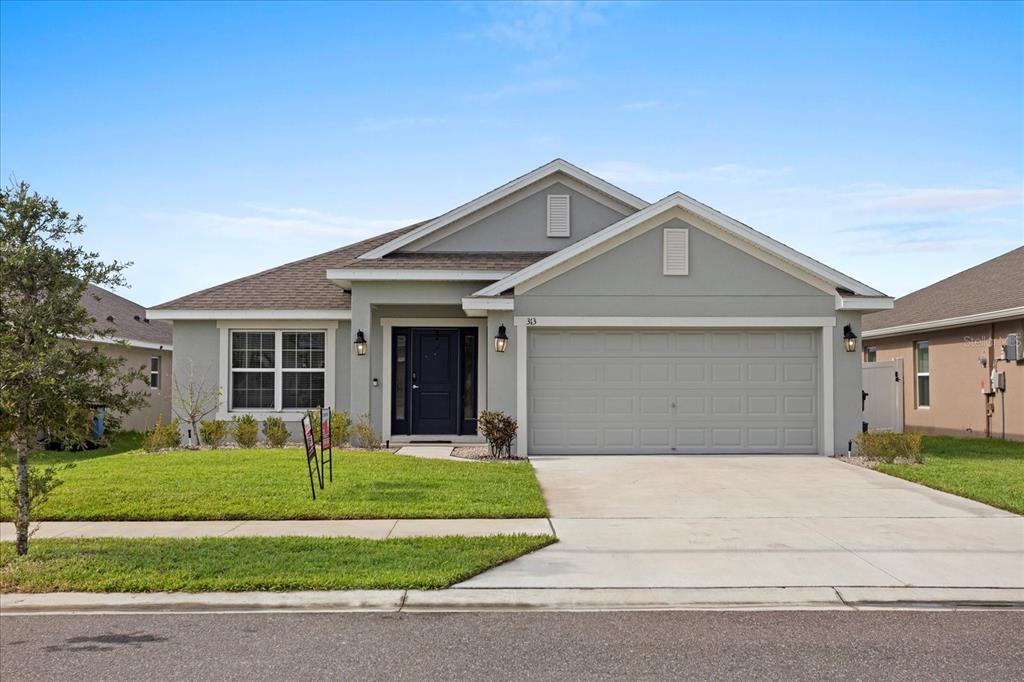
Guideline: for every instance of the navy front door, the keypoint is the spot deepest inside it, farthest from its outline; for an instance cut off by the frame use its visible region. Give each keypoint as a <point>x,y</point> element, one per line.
<point>434,375</point>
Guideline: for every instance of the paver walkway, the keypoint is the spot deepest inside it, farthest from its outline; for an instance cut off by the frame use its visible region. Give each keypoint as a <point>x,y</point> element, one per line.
<point>373,529</point>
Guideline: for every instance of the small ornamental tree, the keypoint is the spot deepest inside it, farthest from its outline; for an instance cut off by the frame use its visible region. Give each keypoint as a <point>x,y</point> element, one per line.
<point>194,399</point>
<point>47,380</point>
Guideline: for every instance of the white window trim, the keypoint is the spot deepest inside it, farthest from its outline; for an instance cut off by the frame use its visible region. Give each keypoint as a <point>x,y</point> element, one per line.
<point>827,326</point>
<point>225,327</point>
<point>159,368</point>
<point>918,374</point>
<point>667,234</point>
<point>481,367</point>
<point>568,216</point>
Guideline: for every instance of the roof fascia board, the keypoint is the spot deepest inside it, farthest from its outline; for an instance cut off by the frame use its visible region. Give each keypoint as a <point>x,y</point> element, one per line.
<point>946,323</point>
<point>721,226</point>
<point>556,166</point>
<point>117,341</point>
<point>864,302</point>
<point>683,322</point>
<point>249,314</point>
<point>478,306</point>
<point>345,276</point>
<point>503,203</point>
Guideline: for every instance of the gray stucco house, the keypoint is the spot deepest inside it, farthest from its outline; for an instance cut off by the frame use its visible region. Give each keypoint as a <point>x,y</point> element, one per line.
<point>632,327</point>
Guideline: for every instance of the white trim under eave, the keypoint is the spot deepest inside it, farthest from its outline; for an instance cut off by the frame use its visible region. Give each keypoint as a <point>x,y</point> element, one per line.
<point>753,242</point>
<point>696,322</point>
<point>556,166</point>
<point>345,276</point>
<point>115,340</point>
<point>166,314</point>
<point>961,321</point>
<point>864,302</point>
<point>479,306</point>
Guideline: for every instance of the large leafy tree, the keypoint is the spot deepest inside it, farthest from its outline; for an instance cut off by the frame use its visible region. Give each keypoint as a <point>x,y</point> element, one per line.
<point>49,382</point>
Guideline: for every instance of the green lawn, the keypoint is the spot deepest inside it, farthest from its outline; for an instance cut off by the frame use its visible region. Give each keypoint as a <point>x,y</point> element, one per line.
<point>250,563</point>
<point>133,485</point>
<point>989,471</point>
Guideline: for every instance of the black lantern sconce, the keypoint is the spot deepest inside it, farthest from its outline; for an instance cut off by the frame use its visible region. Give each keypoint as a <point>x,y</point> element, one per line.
<point>849,339</point>
<point>360,343</point>
<point>501,340</point>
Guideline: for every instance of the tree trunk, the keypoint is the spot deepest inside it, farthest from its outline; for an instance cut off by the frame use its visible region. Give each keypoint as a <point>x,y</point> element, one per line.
<point>195,433</point>
<point>24,509</point>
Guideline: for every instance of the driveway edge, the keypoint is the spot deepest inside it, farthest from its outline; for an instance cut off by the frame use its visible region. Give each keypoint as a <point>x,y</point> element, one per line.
<point>418,601</point>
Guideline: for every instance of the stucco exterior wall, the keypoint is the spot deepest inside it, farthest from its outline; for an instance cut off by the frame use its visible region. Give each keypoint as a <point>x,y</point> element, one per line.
<point>957,381</point>
<point>158,405</point>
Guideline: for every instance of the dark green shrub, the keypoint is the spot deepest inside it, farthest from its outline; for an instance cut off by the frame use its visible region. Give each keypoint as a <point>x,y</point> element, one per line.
<point>275,431</point>
<point>889,447</point>
<point>500,430</point>
<point>162,436</point>
<point>245,429</point>
<point>341,426</point>
<point>212,433</point>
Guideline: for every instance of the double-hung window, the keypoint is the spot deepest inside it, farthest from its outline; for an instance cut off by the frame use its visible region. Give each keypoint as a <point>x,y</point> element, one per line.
<point>154,372</point>
<point>923,375</point>
<point>277,370</point>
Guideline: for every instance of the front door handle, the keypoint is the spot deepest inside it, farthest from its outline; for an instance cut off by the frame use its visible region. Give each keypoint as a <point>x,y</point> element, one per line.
<point>415,385</point>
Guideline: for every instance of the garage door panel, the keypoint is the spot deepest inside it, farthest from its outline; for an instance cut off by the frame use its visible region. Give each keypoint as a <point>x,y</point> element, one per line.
<point>666,391</point>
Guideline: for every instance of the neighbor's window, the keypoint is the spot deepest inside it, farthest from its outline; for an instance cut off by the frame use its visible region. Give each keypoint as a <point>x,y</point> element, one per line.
<point>921,367</point>
<point>870,354</point>
<point>302,378</point>
<point>252,370</point>
<point>154,372</point>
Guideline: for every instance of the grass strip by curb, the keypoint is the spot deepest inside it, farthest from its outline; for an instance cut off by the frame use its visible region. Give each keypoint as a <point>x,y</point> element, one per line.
<point>255,563</point>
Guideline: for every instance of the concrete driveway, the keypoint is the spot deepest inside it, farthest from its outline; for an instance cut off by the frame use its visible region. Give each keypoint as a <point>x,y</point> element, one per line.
<point>758,522</point>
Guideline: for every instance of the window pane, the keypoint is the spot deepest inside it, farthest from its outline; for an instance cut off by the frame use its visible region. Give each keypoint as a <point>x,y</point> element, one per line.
<point>870,353</point>
<point>923,397</point>
<point>922,357</point>
<point>400,370</point>
<point>252,390</point>
<point>302,389</point>
<point>252,350</point>
<point>468,374</point>
<point>302,350</point>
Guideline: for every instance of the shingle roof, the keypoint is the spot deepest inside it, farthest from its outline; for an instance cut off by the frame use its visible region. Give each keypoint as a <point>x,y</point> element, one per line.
<point>303,284</point>
<point>126,318</point>
<point>997,284</point>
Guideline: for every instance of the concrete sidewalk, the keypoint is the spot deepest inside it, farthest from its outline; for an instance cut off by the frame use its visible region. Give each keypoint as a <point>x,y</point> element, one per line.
<point>677,599</point>
<point>372,529</point>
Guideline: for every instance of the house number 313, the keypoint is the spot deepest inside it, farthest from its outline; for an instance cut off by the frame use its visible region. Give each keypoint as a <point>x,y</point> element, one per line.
<point>530,321</point>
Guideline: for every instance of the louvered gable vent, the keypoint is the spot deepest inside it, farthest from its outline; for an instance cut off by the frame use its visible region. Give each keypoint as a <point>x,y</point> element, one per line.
<point>558,215</point>
<point>677,251</point>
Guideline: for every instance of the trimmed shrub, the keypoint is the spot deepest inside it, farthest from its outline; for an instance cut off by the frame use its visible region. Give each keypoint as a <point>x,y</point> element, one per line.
<point>245,429</point>
<point>363,435</point>
<point>162,436</point>
<point>275,432</point>
<point>889,447</point>
<point>213,433</point>
<point>499,429</point>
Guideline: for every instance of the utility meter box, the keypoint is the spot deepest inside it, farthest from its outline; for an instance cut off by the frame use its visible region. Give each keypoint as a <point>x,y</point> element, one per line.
<point>1000,382</point>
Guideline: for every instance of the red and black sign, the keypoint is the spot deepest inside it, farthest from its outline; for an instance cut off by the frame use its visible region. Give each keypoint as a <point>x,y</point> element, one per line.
<point>311,458</point>
<point>325,445</point>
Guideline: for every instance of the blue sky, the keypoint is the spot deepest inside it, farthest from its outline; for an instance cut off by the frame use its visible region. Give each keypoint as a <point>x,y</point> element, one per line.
<point>205,142</point>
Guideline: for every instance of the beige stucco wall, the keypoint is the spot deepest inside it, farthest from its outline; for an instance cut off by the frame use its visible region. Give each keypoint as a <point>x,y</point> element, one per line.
<point>958,404</point>
<point>159,405</point>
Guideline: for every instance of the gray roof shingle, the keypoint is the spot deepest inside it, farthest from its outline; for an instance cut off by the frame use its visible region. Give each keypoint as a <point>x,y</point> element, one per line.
<point>126,318</point>
<point>997,284</point>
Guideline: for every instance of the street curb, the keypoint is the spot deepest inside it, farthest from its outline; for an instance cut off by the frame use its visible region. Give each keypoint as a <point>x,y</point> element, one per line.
<point>463,600</point>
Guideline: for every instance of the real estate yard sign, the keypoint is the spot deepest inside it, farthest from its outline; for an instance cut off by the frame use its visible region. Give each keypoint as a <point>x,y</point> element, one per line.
<point>325,444</point>
<point>311,459</point>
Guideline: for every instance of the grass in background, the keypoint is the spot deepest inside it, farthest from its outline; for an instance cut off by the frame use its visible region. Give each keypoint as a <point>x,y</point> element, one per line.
<point>255,563</point>
<point>986,470</point>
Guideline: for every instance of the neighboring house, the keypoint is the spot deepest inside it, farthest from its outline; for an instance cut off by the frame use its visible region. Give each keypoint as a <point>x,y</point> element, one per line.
<point>950,337</point>
<point>601,322</point>
<point>149,347</point>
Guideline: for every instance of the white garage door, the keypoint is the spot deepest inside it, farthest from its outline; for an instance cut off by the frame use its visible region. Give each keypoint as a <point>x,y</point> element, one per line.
<point>666,391</point>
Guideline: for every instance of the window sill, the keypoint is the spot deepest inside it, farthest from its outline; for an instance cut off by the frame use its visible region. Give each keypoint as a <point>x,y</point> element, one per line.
<point>286,415</point>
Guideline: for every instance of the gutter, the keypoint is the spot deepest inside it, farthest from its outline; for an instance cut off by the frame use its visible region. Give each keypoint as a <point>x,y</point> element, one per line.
<point>946,323</point>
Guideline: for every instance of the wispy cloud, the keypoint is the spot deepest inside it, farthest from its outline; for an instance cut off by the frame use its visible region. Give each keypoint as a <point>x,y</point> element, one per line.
<point>940,199</point>
<point>931,236</point>
<point>278,222</point>
<point>537,26</point>
<point>535,87</point>
<point>628,172</point>
<point>644,105</point>
<point>377,124</point>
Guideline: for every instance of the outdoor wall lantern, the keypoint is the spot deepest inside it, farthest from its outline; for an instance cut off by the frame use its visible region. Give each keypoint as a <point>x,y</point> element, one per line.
<point>501,340</point>
<point>849,339</point>
<point>360,343</point>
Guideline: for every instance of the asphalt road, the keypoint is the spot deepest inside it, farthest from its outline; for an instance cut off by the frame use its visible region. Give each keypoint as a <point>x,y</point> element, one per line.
<point>791,645</point>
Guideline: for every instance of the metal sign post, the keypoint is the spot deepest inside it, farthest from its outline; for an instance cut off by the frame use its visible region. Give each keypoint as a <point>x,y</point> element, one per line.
<point>311,460</point>
<point>325,444</point>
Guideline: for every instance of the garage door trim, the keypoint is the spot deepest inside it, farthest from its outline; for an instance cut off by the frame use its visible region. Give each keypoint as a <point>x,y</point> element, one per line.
<point>523,324</point>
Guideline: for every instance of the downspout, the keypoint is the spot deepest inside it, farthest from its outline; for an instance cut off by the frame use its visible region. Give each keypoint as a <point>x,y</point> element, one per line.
<point>990,405</point>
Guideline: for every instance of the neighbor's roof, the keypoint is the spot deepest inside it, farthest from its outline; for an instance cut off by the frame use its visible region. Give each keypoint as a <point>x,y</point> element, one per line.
<point>303,284</point>
<point>995,285</point>
<point>125,318</point>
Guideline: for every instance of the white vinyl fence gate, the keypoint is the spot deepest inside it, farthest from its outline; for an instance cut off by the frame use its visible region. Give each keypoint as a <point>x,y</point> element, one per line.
<point>883,402</point>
